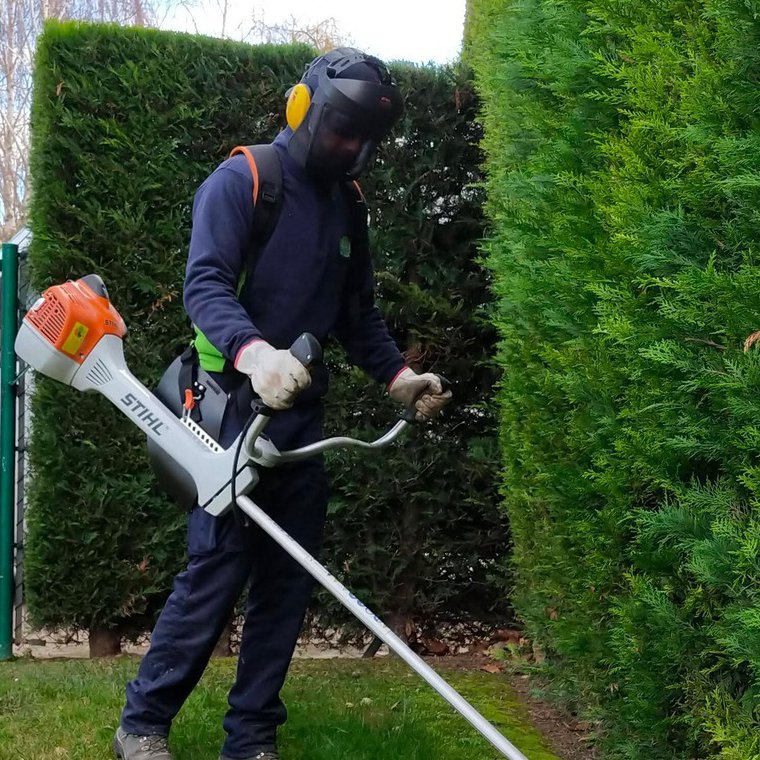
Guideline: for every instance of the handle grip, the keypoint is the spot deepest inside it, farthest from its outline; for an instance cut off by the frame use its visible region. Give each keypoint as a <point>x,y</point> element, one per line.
<point>410,413</point>
<point>307,350</point>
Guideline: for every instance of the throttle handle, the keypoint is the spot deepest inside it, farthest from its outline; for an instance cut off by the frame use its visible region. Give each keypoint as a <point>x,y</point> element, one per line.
<point>410,413</point>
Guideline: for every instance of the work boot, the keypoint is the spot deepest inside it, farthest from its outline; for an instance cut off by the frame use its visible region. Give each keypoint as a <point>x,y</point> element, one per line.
<point>137,747</point>
<point>271,754</point>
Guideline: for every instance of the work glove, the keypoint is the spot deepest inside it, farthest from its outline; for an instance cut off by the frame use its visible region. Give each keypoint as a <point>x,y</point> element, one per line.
<point>408,386</point>
<point>276,375</point>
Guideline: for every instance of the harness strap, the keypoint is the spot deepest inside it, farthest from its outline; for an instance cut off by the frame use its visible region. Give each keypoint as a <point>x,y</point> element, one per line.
<point>266,172</point>
<point>187,379</point>
<point>359,236</point>
<point>242,149</point>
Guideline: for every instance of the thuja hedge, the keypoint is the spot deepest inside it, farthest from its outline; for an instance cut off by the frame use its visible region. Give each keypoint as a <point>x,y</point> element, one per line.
<point>623,165</point>
<point>126,125</point>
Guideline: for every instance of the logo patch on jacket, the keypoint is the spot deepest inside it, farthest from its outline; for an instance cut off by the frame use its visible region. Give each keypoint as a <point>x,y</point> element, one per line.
<point>345,247</point>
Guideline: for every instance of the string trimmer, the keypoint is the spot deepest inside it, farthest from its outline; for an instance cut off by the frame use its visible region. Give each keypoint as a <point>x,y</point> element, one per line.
<point>75,335</point>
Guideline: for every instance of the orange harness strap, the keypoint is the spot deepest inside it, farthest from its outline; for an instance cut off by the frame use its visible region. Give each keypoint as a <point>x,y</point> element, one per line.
<point>252,164</point>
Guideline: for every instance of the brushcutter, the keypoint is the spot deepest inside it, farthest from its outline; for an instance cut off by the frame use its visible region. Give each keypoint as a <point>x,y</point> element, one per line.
<point>75,335</point>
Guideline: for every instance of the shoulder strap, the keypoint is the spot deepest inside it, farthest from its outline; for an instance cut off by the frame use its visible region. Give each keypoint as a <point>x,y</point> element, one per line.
<point>359,235</point>
<point>357,189</point>
<point>266,172</point>
<point>357,217</point>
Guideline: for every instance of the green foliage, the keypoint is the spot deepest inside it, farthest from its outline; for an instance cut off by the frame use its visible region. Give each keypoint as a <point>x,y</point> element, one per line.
<point>127,124</point>
<point>622,192</point>
<point>418,532</point>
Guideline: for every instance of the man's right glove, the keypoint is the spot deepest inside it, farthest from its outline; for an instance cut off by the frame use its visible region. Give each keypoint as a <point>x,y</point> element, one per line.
<point>276,375</point>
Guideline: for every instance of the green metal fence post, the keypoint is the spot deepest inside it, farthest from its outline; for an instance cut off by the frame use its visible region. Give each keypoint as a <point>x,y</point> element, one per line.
<point>8,443</point>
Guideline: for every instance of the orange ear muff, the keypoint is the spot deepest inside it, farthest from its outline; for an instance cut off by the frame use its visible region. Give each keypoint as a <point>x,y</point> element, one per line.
<point>299,101</point>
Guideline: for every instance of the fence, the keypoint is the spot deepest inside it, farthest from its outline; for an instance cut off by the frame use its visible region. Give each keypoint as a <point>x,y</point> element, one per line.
<point>14,422</point>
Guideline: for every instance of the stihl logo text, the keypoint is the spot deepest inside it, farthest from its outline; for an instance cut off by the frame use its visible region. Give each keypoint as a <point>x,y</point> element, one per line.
<point>143,413</point>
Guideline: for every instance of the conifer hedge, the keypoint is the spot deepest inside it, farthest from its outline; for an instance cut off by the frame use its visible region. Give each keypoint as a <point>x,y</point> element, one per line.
<point>126,125</point>
<point>623,163</point>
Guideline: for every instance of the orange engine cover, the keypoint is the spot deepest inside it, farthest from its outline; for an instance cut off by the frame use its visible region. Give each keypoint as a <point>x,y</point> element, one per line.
<point>73,317</point>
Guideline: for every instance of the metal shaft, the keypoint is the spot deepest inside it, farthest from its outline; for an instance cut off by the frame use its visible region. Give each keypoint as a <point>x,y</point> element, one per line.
<point>342,442</point>
<point>356,607</point>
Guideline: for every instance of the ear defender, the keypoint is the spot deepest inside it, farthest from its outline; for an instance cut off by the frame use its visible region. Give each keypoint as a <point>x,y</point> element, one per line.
<point>298,104</point>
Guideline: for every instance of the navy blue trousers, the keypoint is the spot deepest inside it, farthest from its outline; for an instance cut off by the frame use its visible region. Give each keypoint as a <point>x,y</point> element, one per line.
<point>223,556</point>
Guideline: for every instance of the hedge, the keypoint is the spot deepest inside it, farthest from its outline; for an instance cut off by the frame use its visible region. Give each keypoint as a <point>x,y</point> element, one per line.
<point>126,125</point>
<point>623,167</point>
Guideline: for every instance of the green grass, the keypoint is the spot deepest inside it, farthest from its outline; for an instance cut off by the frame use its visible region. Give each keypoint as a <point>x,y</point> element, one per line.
<point>338,710</point>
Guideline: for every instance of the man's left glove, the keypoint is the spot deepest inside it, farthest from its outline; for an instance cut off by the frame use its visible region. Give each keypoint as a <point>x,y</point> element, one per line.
<point>408,386</point>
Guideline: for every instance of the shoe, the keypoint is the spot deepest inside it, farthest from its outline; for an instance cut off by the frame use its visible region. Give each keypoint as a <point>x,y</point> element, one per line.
<point>271,754</point>
<point>136,747</point>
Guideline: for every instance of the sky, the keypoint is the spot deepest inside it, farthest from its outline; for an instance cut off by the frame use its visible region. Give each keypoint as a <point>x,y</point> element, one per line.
<point>420,31</point>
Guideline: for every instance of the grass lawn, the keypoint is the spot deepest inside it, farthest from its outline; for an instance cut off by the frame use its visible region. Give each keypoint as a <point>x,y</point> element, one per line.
<point>338,710</point>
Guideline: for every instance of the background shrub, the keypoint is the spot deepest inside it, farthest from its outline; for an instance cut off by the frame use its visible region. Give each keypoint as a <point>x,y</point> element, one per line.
<point>127,123</point>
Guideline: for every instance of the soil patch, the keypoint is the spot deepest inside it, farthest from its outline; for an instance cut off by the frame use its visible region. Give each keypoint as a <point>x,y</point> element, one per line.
<point>567,736</point>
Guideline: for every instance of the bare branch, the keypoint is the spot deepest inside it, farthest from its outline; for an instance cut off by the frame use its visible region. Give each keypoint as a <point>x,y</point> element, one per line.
<point>21,22</point>
<point>324,35</point>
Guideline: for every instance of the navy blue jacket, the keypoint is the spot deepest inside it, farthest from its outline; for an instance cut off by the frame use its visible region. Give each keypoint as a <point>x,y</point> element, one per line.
<point>303,276</point>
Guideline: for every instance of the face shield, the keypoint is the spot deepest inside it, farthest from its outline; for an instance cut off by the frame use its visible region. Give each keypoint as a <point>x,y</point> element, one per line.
<point>346,121</point>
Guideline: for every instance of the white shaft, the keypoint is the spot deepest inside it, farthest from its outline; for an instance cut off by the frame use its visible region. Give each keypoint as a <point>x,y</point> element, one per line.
<point>106,371</point>
<point>134,400</point>
<point>373,622</point>
<point>199,455</point>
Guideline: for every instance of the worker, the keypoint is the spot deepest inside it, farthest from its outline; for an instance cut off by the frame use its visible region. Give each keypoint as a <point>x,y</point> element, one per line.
<point>249,302</point>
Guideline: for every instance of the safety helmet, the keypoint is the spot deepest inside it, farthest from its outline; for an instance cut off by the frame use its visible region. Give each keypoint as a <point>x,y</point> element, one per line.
<point>344,94</point>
